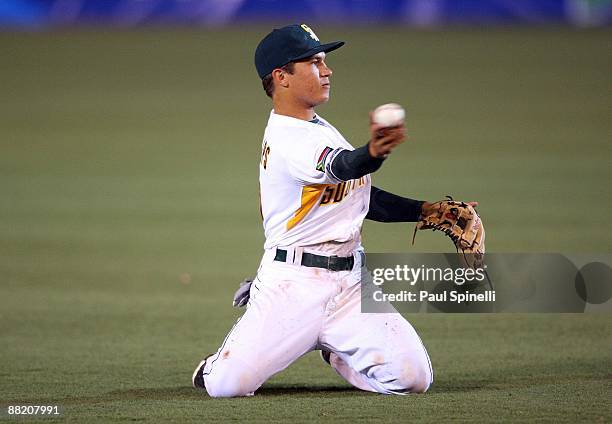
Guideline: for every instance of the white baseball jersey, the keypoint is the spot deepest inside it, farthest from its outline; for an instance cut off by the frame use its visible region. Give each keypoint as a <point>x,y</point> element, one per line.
<point>302,202</point>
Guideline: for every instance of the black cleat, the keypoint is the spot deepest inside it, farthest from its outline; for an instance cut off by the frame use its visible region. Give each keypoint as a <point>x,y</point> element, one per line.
<point>198,377</point>
<point>325,355</point>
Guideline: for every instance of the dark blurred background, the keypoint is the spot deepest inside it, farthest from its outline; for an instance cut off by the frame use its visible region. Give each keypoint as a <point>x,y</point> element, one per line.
<point>48,13</point>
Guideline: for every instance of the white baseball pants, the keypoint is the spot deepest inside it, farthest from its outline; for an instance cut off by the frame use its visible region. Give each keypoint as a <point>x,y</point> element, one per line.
<point>294,310</point>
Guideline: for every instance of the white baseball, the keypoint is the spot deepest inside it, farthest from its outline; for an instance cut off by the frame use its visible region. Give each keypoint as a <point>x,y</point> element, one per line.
<point>389,115</point>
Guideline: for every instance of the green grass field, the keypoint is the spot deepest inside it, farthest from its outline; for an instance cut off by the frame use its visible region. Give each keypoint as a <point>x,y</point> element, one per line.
<point>129,213</point>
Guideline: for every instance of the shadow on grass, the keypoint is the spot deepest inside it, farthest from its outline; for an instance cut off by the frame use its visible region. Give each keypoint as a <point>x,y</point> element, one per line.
<point>279,390</point>
<point>170,393</point>
<point>189,393</point>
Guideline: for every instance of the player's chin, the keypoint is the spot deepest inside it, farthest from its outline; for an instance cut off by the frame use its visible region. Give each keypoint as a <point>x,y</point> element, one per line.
<point>325,96</point>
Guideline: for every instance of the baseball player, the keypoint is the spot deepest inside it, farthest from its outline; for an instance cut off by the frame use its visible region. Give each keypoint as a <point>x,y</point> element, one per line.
<point>315,192</point>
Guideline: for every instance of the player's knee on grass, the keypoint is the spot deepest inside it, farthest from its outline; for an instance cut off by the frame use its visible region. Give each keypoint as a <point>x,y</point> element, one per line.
<point>403,377</point>
<point>231,386</point>
<point>235,381</point>
<point>415,378</point>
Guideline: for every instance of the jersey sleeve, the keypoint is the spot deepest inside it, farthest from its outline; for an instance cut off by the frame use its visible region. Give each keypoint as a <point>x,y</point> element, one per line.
<point>310,163</point>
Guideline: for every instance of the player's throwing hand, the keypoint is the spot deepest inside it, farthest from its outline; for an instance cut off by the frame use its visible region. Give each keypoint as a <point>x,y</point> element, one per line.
<point>384,139</point>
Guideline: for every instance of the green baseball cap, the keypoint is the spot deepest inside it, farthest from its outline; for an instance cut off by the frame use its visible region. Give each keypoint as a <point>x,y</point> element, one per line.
<point>289,44</point>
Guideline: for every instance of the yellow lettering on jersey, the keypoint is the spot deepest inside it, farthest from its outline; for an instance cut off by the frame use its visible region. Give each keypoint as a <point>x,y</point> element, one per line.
<point>337,193</point>
<point>265,152</point>
<point>328,194</point>
<point>310,196</point>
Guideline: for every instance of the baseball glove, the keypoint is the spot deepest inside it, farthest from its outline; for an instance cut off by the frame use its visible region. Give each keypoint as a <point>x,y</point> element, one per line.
<point>461,223</point>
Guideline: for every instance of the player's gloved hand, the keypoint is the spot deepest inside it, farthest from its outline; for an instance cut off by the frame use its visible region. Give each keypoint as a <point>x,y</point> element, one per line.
<point>428,207</point>
<point>384,139</point>
<point>460,222</point>
<point>241,297</point>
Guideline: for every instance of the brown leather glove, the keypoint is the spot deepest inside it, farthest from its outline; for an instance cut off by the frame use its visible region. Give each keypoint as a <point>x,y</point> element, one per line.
<point>459,221</point>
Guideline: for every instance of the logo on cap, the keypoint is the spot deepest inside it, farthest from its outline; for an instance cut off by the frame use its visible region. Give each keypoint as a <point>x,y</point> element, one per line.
<point>309,31</point>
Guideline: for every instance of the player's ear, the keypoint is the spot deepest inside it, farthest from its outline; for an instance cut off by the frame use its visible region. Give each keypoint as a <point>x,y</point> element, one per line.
<point>280,77</point>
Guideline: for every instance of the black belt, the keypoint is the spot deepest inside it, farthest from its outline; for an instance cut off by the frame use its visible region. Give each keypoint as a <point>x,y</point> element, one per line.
<point>332,263</point>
